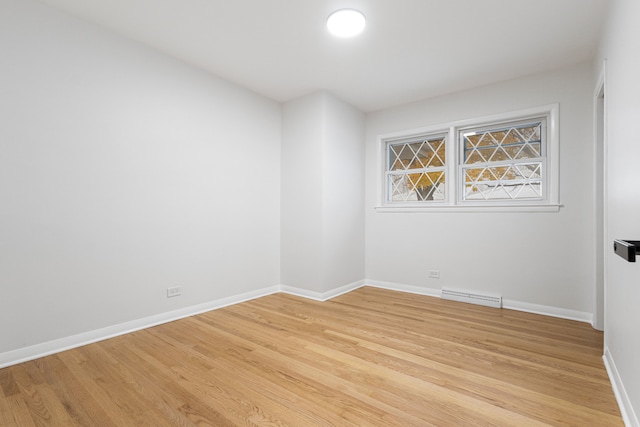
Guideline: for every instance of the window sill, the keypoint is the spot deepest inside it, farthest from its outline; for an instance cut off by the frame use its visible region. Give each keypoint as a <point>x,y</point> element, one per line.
<point>467,208</point>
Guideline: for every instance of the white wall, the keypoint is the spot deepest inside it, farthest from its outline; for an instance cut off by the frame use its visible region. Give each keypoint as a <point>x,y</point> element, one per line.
<point>621,44</point>
<point>322,193</point>
<point>534,258</point>
<point>122,173</point>
<point>301,202</point>
<point>343,195</point>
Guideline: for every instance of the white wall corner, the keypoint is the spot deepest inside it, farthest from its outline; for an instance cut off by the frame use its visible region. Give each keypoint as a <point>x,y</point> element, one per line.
<point>626,408</point>
<point>322,296</point>
<point>36,351</point>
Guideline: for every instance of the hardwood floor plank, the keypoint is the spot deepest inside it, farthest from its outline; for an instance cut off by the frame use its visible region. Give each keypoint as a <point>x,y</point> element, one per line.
<point>483,318</point>
<point>367,367</point>
<point>371,357</point>
<point>115,391</point>
<point>58,412</point>
<point>6,415</point>
<point>21,412</point>
<point>321,384</point>
<point>31,397</point>
<point>158,384</point>
<point>435,408</point>
<point>59,386</point>
<point>197,406</point>
<point>7,383</point>
<point>465,345</point>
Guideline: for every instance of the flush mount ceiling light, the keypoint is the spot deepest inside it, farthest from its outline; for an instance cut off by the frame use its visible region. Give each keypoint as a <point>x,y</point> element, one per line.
<point>346,23</point>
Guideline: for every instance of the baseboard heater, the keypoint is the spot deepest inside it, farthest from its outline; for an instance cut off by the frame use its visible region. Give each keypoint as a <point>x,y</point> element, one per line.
<point>472,297</point>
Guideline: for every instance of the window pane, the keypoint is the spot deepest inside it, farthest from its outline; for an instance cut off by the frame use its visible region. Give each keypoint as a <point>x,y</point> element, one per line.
<point>503,182</point>
<point>396,156</point>
<point>417,187</point>
<point>531,191</point>
<point>509,143</point>
<point>416,170</point>
<point>492,162</point>
<point>417,154</point>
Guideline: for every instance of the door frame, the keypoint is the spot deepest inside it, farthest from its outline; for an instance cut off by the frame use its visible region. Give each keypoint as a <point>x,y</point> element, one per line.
<point>600,199</point>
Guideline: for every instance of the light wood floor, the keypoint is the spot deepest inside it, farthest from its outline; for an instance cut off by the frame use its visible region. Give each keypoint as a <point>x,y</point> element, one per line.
<point>370,357</point>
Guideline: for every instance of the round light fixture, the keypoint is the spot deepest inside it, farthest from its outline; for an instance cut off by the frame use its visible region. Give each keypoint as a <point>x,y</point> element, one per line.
<point>346,22</point>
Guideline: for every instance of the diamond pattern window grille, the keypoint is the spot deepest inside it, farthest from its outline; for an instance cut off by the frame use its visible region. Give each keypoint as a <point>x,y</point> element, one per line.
<point>503,163</point>
<point>507,160</point>
<point>416,171</point>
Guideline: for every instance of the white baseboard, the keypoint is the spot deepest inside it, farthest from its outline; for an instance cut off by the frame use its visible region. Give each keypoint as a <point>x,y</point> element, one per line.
<point>412,289</point>
<point>321,296</point>
<point>626,408</point>
<point>36,351</point>
<point>547,310</point>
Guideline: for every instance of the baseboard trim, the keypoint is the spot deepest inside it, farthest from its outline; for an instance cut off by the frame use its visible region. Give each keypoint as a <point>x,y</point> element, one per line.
<point>400,287</point>
<point>626,409</point>
<point>37,351</point>
<point>322,296</point>
<point>546,310</point>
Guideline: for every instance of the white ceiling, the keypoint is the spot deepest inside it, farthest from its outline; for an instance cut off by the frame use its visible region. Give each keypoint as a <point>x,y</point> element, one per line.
<point>410,49</point>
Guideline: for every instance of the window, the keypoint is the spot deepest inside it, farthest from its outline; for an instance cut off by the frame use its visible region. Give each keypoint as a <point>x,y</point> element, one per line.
<point>416,169</point>
<point>504,161</point>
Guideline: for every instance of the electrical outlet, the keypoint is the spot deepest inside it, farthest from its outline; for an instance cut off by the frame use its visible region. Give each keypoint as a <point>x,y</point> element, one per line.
<point>174,292</point>
<point>434,274</point>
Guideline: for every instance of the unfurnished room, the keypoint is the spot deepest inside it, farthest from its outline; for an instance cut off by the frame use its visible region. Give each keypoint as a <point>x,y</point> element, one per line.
<point>319,213</point>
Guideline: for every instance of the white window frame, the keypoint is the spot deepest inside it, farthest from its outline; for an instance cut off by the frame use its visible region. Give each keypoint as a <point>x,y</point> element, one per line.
<point>454,184</point>
<point>415,138</point>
